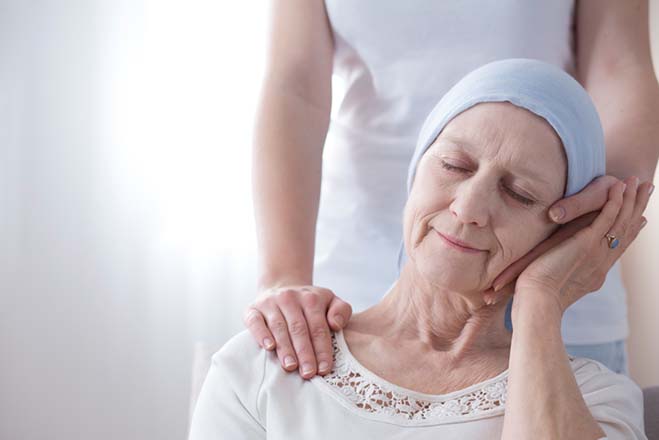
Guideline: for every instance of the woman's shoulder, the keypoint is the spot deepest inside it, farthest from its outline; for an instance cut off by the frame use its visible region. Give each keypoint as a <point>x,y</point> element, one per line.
<point>240,353</point>
<point>590,374</point>
<point>614,400</point>
<point>228,402</point>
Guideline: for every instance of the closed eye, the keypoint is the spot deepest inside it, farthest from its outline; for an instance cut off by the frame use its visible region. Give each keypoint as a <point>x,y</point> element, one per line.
<point>513,194</point>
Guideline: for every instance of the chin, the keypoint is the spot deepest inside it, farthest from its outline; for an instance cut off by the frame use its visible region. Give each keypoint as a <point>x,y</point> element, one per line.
<point>453,275</point>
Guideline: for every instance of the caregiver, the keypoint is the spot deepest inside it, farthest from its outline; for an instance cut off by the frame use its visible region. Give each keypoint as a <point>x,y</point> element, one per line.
<point>397,61</point>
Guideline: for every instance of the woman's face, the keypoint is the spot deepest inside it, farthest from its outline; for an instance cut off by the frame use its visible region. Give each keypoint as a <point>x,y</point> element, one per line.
<point>487,180</point>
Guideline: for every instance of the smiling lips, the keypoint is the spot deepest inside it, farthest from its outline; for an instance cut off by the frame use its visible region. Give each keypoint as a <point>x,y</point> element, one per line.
<point>457,244</point>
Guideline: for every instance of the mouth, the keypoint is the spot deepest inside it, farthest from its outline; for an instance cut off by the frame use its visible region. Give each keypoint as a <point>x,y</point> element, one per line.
<point>457,244</point>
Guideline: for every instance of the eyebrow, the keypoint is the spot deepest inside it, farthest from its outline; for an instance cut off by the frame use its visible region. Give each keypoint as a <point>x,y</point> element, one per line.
<point>466,145</point>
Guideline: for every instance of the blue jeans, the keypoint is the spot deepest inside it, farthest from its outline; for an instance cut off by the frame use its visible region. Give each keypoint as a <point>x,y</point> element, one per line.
<point>612,354</point>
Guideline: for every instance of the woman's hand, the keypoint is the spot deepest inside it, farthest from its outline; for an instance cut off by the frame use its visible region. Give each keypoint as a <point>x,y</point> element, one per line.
<point>296,320</point>
<point>580,258</point>
<point>580,211</point>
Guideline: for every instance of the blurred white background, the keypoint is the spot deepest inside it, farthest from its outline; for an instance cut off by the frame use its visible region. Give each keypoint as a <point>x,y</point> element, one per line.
<point>126,230</point>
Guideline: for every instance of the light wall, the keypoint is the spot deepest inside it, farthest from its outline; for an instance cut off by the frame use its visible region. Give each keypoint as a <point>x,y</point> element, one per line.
<point>640,266</point>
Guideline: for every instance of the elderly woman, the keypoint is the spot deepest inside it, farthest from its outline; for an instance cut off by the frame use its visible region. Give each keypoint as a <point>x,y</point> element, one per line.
<point>433,359</point>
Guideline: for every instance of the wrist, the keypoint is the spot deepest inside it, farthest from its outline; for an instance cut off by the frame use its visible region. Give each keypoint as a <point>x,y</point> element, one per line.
<point>538,307</point>
<point>273,280</point>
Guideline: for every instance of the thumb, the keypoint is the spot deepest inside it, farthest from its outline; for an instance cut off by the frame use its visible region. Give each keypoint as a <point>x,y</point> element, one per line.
<point>338,313</point>
<point>592,198</point>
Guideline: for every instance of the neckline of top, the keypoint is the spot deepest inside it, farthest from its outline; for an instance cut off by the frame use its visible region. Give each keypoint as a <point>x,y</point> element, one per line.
<point>343,346</point>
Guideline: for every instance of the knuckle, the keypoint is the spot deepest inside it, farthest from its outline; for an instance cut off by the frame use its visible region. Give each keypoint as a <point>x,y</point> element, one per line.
<point>575,206</point>
<point>279,327</point>
<point>311,300</point>
<point>288,295</point>
<point>252,317</point>
<point>298,328</point>
<point>327,292</point>
<point>347,307</point>
<point>320,332</point>
<point>342,309</point>
<point>265,304</point>
<point>609,180</point>
<point>619,201</point>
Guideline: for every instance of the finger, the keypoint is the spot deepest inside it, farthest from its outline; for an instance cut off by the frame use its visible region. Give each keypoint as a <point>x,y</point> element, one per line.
<point>589,199</point>
<point>622,223</point>
<point>299,333</point>
<point>512,272</point>
<point>607,217</point>
<point>642,197</point>
<point>338,313</point>
<point>321,338</point>
<point>490,297</point>
<point>279,328</point>
<point>638,227</point>
<point>255,322</point>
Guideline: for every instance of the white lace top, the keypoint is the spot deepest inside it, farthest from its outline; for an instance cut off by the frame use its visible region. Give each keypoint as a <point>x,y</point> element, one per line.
<point>363,391</point>
<point>247,395</point>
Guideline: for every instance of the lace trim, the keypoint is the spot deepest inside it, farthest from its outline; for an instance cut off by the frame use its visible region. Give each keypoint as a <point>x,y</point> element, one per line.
<point>369,394</point>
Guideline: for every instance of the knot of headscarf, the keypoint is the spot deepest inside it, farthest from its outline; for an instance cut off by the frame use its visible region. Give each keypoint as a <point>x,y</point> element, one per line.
<point>539,87</point>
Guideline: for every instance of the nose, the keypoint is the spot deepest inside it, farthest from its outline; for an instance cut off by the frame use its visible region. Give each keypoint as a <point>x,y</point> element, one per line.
<point>471,202</point>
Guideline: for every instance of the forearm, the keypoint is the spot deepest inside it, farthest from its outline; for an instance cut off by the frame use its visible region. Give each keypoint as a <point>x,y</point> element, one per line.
<point>286,173</point>
<point>543,399</point>
<point>628,104</point>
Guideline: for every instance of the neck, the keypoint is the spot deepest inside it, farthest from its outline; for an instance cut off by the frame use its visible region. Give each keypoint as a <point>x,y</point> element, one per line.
<point>459,324</point>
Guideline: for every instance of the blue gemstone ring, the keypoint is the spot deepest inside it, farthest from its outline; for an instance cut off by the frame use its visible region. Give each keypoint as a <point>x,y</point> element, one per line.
<point>613,241</point>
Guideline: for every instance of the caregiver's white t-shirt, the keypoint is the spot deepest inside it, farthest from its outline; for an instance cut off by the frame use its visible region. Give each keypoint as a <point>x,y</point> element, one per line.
<point>396,60</point>
<point>248,396</point>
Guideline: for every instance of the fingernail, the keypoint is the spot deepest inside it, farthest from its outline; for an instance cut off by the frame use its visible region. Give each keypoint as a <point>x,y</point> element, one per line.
<point>339,320</point>
<point>651,189</point>
<point>267,343</point>
<point>498,287</point>
<point>557,213</point>
<point>289,361</point>
<point>323,366</point>
<point>307,369</point>
<point>645,221</point>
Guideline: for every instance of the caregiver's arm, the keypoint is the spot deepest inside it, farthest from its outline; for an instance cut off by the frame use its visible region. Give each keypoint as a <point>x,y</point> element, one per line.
<point>614,65</point>
<point>291,123</point>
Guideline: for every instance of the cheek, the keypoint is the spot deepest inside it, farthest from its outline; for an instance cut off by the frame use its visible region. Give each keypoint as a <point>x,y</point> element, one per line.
<point>420,209</point>
<point>522,235</point>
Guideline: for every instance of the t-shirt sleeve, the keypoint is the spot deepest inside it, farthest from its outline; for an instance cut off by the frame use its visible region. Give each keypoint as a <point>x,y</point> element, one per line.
<point>614,400</point>
<point>227,407</point>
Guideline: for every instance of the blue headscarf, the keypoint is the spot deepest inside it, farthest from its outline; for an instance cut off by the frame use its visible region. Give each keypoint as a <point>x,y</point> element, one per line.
<point>539,87</point>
